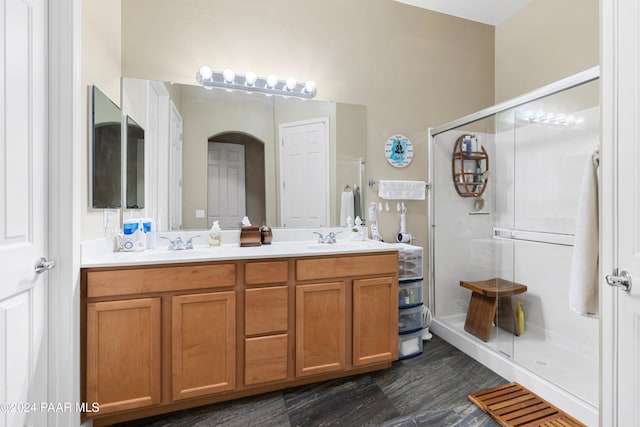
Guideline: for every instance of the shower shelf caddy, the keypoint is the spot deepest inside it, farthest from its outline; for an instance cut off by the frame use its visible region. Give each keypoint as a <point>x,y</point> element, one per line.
<point>469,168</point>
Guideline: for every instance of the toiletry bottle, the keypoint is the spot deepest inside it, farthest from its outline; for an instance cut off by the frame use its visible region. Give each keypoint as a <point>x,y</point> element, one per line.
<point>520,318</point>
<point>215,238</point>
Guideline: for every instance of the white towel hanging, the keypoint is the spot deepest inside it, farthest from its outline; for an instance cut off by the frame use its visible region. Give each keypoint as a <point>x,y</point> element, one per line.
<point>346,207</point>
<point>402,190</point>
<point>583,281</point>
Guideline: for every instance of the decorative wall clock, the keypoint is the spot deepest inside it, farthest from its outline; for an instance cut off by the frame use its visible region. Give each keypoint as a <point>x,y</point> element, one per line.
<point>398,150</point>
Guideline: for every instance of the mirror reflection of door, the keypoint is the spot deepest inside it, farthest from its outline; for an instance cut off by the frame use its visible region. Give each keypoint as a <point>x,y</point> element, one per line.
<point>304,173</point>
<point>236,181</point>
<point>175,177</point>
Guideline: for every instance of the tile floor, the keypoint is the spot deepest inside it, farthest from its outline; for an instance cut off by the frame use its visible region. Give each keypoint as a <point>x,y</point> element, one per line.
<point>427,390</point>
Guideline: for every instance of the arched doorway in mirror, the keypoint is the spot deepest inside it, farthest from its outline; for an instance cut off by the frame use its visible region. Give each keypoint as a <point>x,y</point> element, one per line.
<point>235,179</point>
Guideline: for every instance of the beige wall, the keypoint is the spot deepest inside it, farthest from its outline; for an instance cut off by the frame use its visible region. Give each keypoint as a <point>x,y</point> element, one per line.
<point>101,64</point>
<point>545,41</point>
<point>409,67</point>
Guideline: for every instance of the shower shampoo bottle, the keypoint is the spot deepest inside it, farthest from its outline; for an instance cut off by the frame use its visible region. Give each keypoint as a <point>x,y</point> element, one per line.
<point>520,318</point>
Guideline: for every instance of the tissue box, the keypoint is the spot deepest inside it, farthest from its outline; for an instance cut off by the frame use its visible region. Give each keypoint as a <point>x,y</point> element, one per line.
<point>409,345</point>
<point>250,235</point>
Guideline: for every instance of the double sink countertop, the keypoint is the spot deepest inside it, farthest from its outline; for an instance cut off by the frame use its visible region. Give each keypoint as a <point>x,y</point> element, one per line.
<point>285,243</point>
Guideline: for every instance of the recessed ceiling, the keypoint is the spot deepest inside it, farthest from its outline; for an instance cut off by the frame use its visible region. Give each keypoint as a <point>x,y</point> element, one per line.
<point>490,12</point>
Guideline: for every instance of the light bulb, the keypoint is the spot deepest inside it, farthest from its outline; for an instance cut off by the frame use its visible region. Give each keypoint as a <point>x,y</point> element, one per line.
<point>291,84</point>
<point>228,75</point>
<point>206,73</point>
<point>272,81</point>
<point>310,87</point>
<point>250,78</point>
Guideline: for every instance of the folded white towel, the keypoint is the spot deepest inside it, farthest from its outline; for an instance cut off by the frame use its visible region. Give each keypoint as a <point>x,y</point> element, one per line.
<point>402,190</point>
<point>583,282</point>
<point>346,207</point>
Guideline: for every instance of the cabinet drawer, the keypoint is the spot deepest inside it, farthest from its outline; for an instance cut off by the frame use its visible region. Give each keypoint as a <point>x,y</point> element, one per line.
<point>329,267</point>
<point>265,310</point>
<point>262,273</point>
<point>265,359</point>
<point>159,279</point>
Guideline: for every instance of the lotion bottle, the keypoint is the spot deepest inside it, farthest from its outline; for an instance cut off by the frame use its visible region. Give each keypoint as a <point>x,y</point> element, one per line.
<point>215,234</point>
<point>520,318</point>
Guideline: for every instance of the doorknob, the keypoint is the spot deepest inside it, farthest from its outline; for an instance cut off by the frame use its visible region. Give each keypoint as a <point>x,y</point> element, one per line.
<point>42,265</point>
<point>619,281</point>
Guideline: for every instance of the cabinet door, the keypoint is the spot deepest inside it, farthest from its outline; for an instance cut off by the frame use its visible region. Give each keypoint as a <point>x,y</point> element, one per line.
<point>123,354</point>
<point>375,320</point>
<point>203,345</point>
<point>320,328</point>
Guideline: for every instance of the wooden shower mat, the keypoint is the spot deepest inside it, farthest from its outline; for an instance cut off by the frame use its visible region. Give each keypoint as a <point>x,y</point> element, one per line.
<point>512,405</point>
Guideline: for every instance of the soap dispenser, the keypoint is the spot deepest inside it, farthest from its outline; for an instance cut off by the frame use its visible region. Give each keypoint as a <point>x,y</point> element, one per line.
<point>215,234</point>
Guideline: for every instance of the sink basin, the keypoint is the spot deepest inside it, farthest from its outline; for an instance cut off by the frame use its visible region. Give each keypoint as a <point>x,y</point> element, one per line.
<point>340,246</point>
<point>166,254</point>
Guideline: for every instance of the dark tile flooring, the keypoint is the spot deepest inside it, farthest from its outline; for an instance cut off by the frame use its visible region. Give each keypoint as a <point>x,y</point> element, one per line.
<point>427,390</point>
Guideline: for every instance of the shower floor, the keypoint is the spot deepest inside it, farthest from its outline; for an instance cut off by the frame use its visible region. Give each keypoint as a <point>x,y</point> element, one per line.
<point>567,364</point>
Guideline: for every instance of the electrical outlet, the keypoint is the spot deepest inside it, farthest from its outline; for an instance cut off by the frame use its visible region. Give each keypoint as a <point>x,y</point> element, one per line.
<point>199,213</point>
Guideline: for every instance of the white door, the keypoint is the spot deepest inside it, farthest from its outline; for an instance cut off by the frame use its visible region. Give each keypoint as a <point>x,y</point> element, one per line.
<point>225,187</point>
<point>304,173</point>
<point>157,153</point>
<point>621,211</point>
<point>23,211</point>
<point>175,178</point>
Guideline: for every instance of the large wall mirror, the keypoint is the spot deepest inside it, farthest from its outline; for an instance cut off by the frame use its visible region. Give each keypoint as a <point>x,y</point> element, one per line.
<point>105,124</point>
<point>240,152</point>
<point>107,176</point>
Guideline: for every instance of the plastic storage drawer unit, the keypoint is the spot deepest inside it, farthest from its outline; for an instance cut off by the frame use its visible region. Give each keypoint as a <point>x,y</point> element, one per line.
<point>410,345</point>
<point>410,319</point>
<point>409,262</point>
<point>410,293</point>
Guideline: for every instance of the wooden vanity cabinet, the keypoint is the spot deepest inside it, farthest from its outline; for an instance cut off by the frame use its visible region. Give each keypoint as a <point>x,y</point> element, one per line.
<point>343,320</point>
<point>128,347</point>
<point>157,339</point>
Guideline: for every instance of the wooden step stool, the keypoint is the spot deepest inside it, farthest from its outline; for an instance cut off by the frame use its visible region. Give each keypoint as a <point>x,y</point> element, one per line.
<point>491,302</point>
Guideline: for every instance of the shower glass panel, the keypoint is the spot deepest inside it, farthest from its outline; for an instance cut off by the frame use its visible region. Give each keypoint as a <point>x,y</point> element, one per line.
<point>518,233</point>
<point>468,261</point>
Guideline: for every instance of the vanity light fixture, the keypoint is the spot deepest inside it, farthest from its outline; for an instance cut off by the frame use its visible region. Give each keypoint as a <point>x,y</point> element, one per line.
<point>250,82</point>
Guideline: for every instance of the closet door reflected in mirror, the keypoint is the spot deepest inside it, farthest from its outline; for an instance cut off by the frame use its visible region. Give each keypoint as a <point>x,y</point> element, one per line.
<point>106,151</point>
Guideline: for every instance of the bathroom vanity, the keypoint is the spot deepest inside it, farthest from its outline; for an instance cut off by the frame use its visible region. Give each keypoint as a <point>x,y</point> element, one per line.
<point>170,331</point>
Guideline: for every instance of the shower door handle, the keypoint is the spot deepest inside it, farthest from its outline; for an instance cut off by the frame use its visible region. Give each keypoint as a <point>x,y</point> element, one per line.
<point>619,281</point>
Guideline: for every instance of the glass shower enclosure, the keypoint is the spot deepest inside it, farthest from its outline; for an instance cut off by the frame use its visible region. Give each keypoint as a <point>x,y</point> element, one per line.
<point>506,187</point>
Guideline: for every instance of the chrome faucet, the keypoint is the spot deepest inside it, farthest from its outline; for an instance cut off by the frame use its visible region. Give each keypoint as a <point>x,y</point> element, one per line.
<point>329,238</point>
<point>179,245</point>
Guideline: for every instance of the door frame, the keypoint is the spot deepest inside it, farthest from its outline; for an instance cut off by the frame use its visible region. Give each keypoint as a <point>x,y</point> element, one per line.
<point>64,207</point>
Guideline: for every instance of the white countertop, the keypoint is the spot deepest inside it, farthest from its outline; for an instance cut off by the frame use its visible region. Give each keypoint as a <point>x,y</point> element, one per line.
<point>99,252</point>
